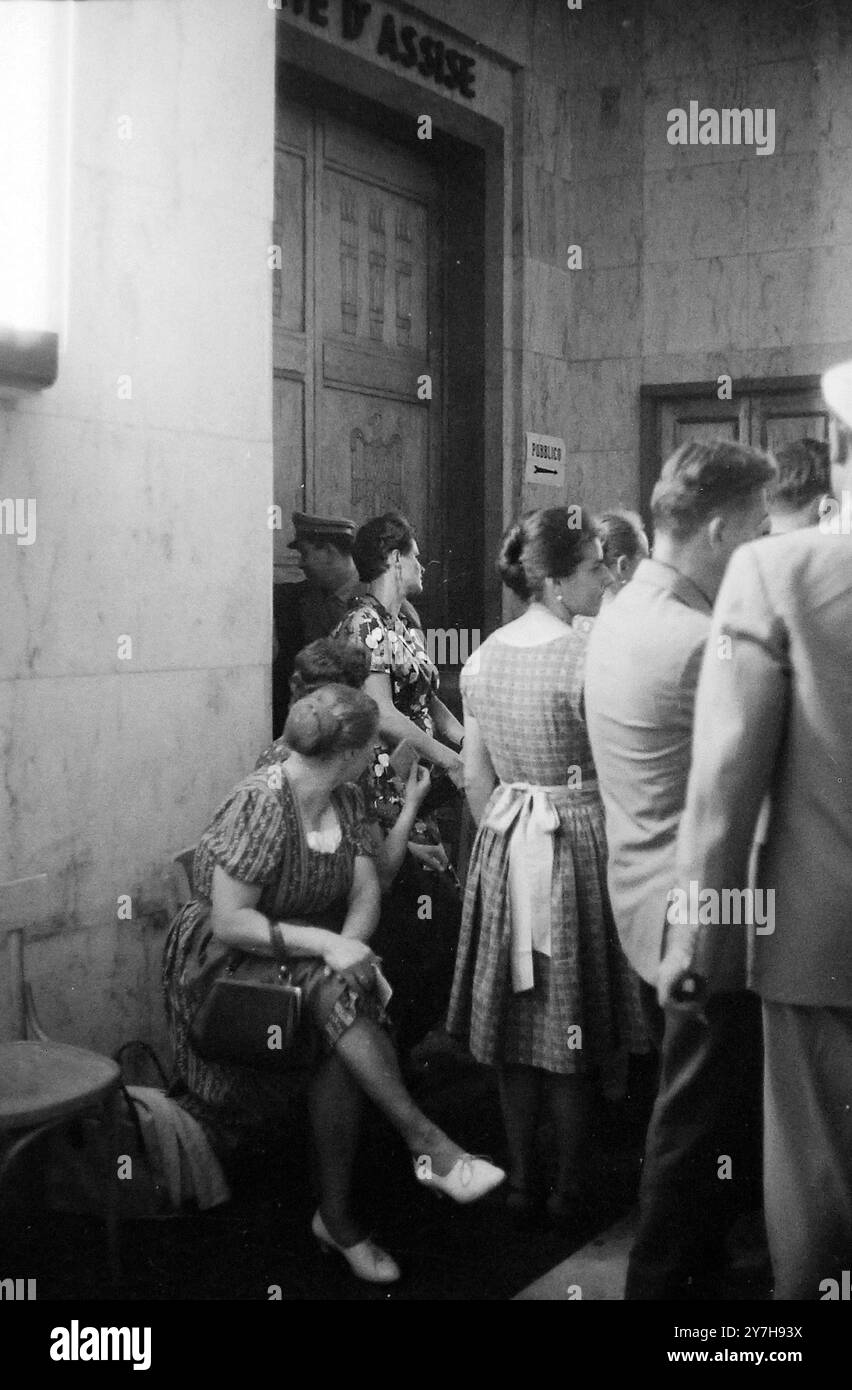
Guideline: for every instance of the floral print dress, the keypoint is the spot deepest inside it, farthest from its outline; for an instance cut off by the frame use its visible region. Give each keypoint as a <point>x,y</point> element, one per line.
<point>397,651</point>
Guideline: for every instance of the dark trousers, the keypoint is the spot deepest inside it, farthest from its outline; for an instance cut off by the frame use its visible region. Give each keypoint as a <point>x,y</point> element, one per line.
<point>416,938</point>
<point>808,1176</point>
<point>702,1167</point>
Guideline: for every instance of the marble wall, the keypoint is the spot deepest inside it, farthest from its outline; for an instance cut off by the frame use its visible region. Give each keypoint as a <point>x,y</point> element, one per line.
<point>152,501</point>
<point>697,260</point>
<point>151,463</point>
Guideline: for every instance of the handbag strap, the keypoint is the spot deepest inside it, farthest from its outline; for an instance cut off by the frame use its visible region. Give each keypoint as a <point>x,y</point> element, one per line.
<point>134,1118</point>
<point>147,1049</point>
<point>276,936</point>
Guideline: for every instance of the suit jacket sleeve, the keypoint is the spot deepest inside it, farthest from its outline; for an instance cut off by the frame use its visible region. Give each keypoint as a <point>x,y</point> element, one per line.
<point>739,722</point>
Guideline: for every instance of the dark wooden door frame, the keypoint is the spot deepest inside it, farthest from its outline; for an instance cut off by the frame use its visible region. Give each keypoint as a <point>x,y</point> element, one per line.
<point>329,76</point>
<point>650,397</point>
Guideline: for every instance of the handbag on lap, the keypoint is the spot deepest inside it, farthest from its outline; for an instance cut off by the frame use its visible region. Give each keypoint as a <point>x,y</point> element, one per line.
<point>251,1014</point>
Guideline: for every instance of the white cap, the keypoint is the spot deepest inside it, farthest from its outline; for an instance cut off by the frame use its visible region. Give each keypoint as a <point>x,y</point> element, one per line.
<point>837,390</point>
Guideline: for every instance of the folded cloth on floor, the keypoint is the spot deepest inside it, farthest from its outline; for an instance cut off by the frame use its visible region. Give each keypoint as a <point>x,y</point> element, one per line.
<point>178,1150</point>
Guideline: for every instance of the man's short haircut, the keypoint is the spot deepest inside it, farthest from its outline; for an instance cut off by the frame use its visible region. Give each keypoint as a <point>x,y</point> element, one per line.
<point>620,533</point>
<point>804,474</point>
<point>701,479</point>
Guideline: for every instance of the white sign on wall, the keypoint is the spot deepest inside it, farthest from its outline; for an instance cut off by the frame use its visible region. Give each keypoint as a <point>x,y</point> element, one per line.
<point>545,460</point>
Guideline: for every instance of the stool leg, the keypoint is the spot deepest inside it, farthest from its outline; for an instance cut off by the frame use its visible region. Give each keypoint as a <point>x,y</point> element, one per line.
<point>111,1111</point>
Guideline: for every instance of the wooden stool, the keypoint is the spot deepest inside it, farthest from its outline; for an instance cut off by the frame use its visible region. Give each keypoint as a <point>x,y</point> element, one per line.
<point>45,1084</point>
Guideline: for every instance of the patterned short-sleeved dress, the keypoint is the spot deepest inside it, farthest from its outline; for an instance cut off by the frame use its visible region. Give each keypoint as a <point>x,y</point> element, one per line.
<point>527,704</point>
<point>396,650</point>
<point>257,837</point>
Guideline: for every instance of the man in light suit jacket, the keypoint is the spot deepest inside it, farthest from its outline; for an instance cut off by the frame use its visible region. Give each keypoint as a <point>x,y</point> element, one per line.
<point>642,667</point>
<point>774,714</point>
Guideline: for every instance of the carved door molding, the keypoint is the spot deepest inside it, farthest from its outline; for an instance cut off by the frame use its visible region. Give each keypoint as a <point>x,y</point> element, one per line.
<point>357,325</point>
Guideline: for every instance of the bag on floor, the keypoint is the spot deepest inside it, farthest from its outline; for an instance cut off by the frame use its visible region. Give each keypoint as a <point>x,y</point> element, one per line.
<point>162,1161</point>
<point>76,1173</point>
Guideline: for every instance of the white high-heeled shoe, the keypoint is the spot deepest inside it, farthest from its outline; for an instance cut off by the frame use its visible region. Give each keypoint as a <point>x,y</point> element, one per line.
<point>366,1259</point>
<point>469,1178</point>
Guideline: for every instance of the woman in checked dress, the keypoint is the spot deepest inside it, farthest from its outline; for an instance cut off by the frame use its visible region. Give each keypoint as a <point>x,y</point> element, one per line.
<point>542,988</point>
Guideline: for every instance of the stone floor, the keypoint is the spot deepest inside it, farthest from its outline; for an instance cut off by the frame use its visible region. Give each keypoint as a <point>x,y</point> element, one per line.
<point>261,1239</point>
<point>594,1272</point>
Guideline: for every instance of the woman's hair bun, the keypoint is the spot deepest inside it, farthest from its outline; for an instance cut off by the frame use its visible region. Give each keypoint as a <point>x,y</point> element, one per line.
<point>545,544</point>
<point>510,562</point>
<point>330,720</point>
<point>310,725</point>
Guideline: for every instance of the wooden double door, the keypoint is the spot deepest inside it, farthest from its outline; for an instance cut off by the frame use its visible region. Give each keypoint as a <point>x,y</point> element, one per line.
<point>766,417</point>
<point>763,418</point>
<point>357,314</point>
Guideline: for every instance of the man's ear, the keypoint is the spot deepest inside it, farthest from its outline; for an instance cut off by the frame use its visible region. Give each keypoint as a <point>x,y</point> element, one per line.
<point>621,567</point>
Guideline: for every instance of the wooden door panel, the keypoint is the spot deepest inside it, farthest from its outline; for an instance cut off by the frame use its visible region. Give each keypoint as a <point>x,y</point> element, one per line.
<point>288,453</point>
<point>781,419</point>
<point>351,150</point>
<point>288,232</point>
<point>292,321</point>
<point>382,372</point>
<point>294,124</point>
<point>373,456</point>
<point>357,315</point>
<point>374,282</point>
<point>691,418</point>
<point>761,417</point>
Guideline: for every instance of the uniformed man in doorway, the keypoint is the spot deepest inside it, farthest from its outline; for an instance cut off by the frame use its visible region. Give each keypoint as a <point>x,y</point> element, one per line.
<point>314,606</point>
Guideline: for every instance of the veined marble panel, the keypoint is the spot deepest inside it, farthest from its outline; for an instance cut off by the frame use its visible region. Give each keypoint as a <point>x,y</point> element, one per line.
<point>593,406</point>
<point>697,211</point>
<point>151,534</point>
<point>156,88</point>
<point>104,778</point>
<point>170,313</point>
<point>698,304</point>
<point>800,296</point>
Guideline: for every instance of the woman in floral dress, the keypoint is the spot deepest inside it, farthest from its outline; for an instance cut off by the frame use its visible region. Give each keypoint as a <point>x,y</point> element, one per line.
<point>403,681</point>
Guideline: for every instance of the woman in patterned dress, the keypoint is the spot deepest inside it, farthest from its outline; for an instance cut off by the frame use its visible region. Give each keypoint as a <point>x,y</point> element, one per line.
<point>418,961</point>
<point>403,681</point>
<point>541,982</point>
<point>284,847</point>
<point>335,661</point>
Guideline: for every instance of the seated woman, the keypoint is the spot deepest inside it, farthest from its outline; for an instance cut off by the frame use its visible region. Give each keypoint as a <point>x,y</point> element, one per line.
<point>279,850</point>
<point>418,951</point>
<point>334,661</point>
